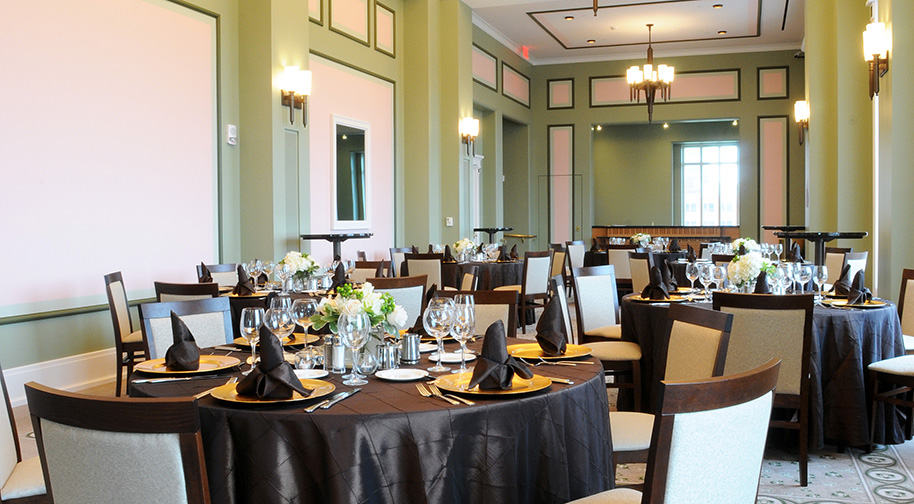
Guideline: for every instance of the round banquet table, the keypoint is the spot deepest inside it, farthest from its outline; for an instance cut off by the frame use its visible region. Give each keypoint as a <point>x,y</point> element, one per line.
<point>845,342</point>
<point>389,444</point>
<point>490,274</point>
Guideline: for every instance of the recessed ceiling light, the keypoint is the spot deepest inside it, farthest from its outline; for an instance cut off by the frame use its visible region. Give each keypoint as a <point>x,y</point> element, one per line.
<point>736,122</point>
<point>722,32</point>
<point>717,6</point>
<point>599,127</point>
<point>569,18</point>
<point>666,125</point>
<point>591,41</point>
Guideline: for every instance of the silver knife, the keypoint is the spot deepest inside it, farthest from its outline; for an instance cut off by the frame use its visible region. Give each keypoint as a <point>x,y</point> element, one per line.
<point>339,397</point>
<point>566,381</point>
<point>313,407</point>
<point>181,378</point>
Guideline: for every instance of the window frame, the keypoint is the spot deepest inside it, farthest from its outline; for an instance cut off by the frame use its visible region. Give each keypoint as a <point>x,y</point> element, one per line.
<point>679,179</point>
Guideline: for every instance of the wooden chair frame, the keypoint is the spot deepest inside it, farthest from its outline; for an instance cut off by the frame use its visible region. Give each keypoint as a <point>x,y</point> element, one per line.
<point>530,300</point>
<point>210,289</point>
<point>427,257</point>
<point>394,265</point>
<point>217,268</point>
<point>152,416</point>
<point>799,402</point>
<point>128,353</point>
<point>377,266</point>
<point>150,311</point>
<point>35,499</point>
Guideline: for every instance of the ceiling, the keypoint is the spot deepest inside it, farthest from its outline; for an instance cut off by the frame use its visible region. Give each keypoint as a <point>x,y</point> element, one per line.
<point>681,27</point>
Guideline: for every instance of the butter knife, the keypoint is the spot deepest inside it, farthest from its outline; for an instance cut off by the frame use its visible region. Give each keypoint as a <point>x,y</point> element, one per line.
<point>313,407</point>
<point>181,378</point>
<point>559,380</point>
<point>339,397</point>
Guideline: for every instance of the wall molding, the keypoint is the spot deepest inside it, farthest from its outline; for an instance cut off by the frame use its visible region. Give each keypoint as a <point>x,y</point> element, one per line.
<point>73,373</point>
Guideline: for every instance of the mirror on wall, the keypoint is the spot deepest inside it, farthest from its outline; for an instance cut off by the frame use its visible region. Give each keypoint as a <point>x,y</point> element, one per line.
<point>351,173</point>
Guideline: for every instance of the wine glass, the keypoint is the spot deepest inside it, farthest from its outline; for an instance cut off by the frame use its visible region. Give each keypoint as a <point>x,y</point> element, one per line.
<point>719,274</point>
<point>804,275</point>
<point>437,320</point>
<point>280,322</point>
<point>353,330</point>
<point>350,267</point>
<point>705,277</point>
<point>778,249</point>
<point>268,267</point>
<point>281,302</point>
<point>285,272</point>
<point>302,311</point>
<point>692,272</point>
<point>251,320</point>
<point>464,326</point>
<point>255,268</point>
<point>784,276</point>
<point>821,276</point>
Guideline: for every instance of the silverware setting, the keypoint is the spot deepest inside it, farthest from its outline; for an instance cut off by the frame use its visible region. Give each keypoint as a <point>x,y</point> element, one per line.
<point>434,390</point>
<point>178,378</point>
<point>426,392</point>
<point>313,407</point>
<point>339,397</point>
<point>227,349</point>
<point>205,393</point>
<point>559,380</point>
<point>553,363</point>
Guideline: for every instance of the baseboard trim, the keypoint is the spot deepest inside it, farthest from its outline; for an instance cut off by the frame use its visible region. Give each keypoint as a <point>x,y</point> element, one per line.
<point>73,373</point>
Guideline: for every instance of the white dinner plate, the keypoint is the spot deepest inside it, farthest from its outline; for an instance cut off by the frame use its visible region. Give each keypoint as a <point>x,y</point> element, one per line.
<point>402,374</point>
<point>451,357</point>
<point>311,373</point>
<point>427,347</point>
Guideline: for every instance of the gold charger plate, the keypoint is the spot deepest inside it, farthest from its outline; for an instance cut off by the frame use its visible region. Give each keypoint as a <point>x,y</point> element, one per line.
<point>835,296</point>
<point>842,303</point>
<point>208,363</point>
<point>533,351</point>
<point>673,299</point>
<point>295,339</point>
<point>458,383</point>
<point>319,388</point>
<point>256,294</point>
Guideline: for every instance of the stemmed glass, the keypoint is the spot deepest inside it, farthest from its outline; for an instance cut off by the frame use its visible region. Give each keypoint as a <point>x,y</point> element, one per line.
<point>784,276</point>
<point>778,249</point>
<point>719,274</point>
<point>251,320</point>
<point>705,277</point>
<point>278,319</point>
<point>353,330</point>
<point>804,275</point>
<point>821,276</point>
<point>255,268</point>
<point>692,272</point>
<point>285,272</point>
<point>302,311</point>
<point>437,320</point>
<point>464,326</point>
<point>268,267</point>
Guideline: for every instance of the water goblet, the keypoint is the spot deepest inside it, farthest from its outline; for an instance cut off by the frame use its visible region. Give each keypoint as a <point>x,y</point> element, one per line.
<point>692,272</point>
<point>280,322</point>
<point>719,275</point>
<point>281,302</point>
<point>268,267</point>
<point>464,325</point>
<point>284,272</point>
<point>804,275</point>
<point>251,320</point>
<point>255,268</point>
<point>784,276</point>
<point>353,330</point>
<point>302,311</point>
<point>778,249</point>
<point>821,276</point>
<point>437,320</point>
<point>705,276</point>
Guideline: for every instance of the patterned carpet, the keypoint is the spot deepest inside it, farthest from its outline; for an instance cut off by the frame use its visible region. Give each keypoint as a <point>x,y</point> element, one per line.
<point>853,477</point>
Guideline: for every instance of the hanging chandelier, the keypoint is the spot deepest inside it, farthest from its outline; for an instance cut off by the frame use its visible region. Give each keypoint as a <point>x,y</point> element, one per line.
<point>650,80</point>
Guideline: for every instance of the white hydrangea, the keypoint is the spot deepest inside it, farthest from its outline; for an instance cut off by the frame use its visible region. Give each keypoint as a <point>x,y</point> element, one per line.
<point>641,239</point>
<point>745,269</point>
<point>372,302</point>
<point>747,243</point>
<point>464,245</point>
<point>302,263</point>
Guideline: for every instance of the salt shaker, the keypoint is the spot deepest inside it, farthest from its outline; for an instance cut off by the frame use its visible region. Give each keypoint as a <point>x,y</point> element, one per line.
<point>409,349</point>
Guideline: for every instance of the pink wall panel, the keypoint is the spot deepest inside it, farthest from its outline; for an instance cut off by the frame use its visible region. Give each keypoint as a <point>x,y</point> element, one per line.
<point>560,167</point>
<point>485,68</point>
<point>338,90</point>
<point>610,91</point>
<point>773,168</point>
<point>385,29</point>
<point>705,86</point>
<point>515,85</point>
<point>350,16</point>
<point>773,84</point>
<point>560,93</point>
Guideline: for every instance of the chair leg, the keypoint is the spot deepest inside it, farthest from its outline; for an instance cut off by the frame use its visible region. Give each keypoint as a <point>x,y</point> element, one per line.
<point>636,384</point>
<point>804,446</point>
<point>875,390</point>
<point>523,316</point>
<point>120,375</point>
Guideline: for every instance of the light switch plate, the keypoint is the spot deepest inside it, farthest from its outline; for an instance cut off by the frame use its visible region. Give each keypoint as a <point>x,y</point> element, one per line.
<point>449,221</point>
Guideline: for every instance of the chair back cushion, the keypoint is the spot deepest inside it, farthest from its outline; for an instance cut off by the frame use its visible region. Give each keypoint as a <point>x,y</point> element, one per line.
<point>761,335</point>
<point>487,314</point>
<point>468,283</point>
<point>618,258</point>
<point>834,262</point>
<point>362,274</point>
<point>537,272</point>
<point>576,254</point>
<point>692,352</point>
<point>430,267</point>
<point>641,273</point>
<point>211,323</point>
<point>8,450</point>
<point>596,300</point>
<point>89,465</point>
<point>410,298</point>
<point>165,297</point>
<point>857,261</point>
<point>118,299</point>
<point>558,263</point>
<point>907,309</point>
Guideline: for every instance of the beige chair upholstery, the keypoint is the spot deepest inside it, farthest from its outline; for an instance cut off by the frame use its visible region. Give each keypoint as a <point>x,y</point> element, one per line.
<point>396,259</point>
<point>226,275</point>
<point>166,291</point>
<point>906,310</point>
<point>425,264</point>
<point>640,265</point>
<point>209,320</point>
<point>408,292</point>
<point>690,462</point>
<point>366,269</point>
<point>899,372</point>
<point>834,261</point>
<point>596,303</point>
<point>20,479</point>
<point>537,266</point>
<point>857,262</point>
<point>103,450</point>
<point>558,263</point>
<point>576,250</point>
<point>558,291</point>
<point>618,259</point>
<point>492,305</point>
<point>129,345</point>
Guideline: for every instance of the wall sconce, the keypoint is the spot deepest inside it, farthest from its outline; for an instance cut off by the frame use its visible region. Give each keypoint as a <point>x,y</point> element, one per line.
<point>469,130</point>
<point>876,52</point>
<point>295,86</point>
<point>801,115</point>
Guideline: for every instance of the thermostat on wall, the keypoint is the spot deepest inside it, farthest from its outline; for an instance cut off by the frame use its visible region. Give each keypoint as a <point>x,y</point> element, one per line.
<point>231,134</point>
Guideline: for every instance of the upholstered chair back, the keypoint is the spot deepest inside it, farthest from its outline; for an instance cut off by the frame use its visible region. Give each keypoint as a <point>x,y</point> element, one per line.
<point>537,275</point>
<point>596,300</point>
<point>640,265</point>
<point>209,320</point>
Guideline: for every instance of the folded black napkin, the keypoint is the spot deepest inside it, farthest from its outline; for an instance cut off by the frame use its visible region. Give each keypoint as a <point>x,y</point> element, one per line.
<point>419,327</point>
<point>205,276</point>
<point>656,289</point>
<point>794,254</point>
<point>761,283</point>
<point>339,277</point>
<point>503,254</point>
<point>513,253</point>
<point>244,287</point>
<point>183,355</point>
<point>690,255</point>
<point>447,254</point>
<point>858,293</point>
<point>415,249</point>
<point>674,245</point>
<point>741,251</point>
<point>550,329</point>
<point>494,368</point>
<point>431,249</point>
<point>843,284</point>
<point>337,258</point>
<point>593,245</point>
<point>273,378</point>
<point>667,276</point>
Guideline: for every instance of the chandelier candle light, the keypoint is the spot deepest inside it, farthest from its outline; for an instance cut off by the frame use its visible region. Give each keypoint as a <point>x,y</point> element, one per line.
<point>650,80</point>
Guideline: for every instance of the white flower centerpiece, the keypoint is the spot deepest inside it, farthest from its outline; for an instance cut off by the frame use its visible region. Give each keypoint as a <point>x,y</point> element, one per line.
<point>381,309</point>
<point>748,244</point>
<point>302,264</point>
<point>744,270</point>
<point>641,239</point>
<point>464,247</point>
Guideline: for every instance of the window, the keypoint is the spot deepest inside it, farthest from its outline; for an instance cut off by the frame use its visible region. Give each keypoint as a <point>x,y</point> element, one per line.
<point>710,184</point>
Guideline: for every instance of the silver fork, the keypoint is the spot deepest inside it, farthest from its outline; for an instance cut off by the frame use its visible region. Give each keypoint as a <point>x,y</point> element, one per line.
<point>425,393</point>
<point>205,393</point>
<point>434,389</point>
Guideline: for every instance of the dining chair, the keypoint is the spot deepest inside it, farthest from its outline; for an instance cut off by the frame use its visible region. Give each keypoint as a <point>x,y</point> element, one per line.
<point>557,290</point>
<point>361,256</point>
<point>857,262</point>
<point>617,257</point>
<point>21,481</point>
<point>695,349</point>
<point>366,269</point>
<point>596,307</point>
<point>779,327</point>
<point>425,264</point>
<point>226,275</point>
<point>834,261</point>
<point>691,462</point>
<point>396,259</point>
<point>209,320</point>
<point>899,373</point>
<point>129,345</point>
<point>491,305</point>
<point>558,263</point>
<point>469,281</point>
<point>535,286</point>
<point>408,292</point>
<point>99,449</point>
<point>640,264</point>
<point>575,252</point>
<point>185,292</point>
<point>722,259</point>
<point>907,322</point>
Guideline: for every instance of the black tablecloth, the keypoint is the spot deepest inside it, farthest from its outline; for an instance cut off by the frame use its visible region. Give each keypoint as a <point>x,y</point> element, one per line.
<point>490,274</point>
<point>844,343</point>
<point>388,444</point>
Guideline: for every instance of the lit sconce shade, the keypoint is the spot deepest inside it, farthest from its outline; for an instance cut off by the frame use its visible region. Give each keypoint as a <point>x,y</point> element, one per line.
<point>469,130</point>
<point>876,53</point>
<point>801,115</point>
<point>295,85</point>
